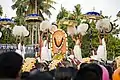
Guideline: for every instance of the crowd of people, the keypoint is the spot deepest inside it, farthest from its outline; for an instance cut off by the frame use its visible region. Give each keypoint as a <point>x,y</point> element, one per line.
<point>11,65</point>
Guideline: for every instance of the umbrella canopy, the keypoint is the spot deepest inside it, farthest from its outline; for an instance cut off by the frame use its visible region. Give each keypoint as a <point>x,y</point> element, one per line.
<point>6,21</point>
<point>69,23</point>
<point>93,15</point>
<point>33,18</point>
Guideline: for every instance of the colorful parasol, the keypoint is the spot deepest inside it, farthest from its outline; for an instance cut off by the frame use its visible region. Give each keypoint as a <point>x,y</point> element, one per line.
<point>6,21</point>
<point>33,18</point>
<point>93,15</point>
<point>69,23</point>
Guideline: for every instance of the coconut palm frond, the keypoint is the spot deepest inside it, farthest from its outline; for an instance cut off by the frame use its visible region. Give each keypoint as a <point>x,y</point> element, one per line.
<point>1,10</point>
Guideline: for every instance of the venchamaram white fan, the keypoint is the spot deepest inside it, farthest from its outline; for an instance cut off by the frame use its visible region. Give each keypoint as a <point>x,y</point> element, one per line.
<point>82,28</point>
<point>71,30</point>
<point>20,31</point>
<point>45,25</point>
<point>104,25</point>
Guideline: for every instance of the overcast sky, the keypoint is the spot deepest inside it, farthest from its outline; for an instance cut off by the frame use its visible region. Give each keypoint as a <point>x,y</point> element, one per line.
<point>109,7</point>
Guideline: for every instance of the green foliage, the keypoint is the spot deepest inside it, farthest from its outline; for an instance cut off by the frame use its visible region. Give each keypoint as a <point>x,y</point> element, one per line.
<point>70,42</point>
<point>113,47</point>
<point>62,14</point>
<point>85,45</point>
<point>7,36</point>
<point>1,10</point>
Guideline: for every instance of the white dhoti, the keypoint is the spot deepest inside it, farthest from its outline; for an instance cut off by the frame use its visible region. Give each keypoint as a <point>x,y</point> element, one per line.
<point>101,52</point>
<point>45,53</point>
<point>77,52</point>
<point>21,50</point>
<point>45,56</point>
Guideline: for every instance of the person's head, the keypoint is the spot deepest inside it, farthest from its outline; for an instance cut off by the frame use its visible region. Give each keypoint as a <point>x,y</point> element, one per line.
<point>73,71</point>
<point>42,66</point>
<point>67,63</point>
<point>116,74</point>
<point>22,42</point>
<point>109,68</point>
<point>18,41</point>
<point>24,75</point>
<point>89,71</point>
<point>10,65</point>
<point>102,36</point>
<point>62,73</point>
<point>114,64</point>
<point>82,65</point>
<point>40,76</point>
<point>105,73</point>
<point>37,45</point>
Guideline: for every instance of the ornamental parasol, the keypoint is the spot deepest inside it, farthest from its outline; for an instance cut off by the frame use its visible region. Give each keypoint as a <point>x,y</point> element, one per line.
<point>67,22</point>
<point>33,18</point>
<point>93,15</point>
<point>6,21</point>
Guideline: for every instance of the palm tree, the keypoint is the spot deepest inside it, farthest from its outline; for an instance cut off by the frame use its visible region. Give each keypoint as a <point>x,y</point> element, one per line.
<point>28,6</point>
<point>118,14</point>
<point>1,10</point>
<point>62,14</point>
